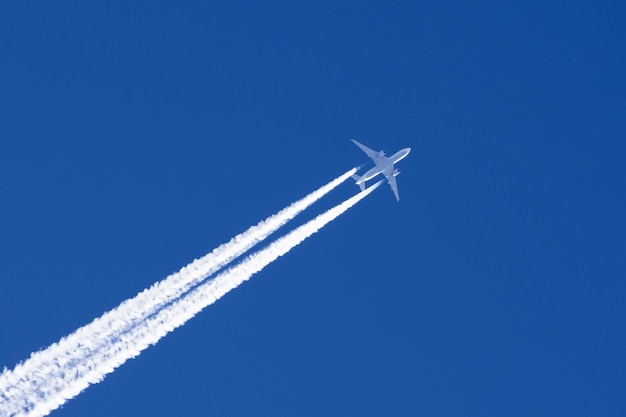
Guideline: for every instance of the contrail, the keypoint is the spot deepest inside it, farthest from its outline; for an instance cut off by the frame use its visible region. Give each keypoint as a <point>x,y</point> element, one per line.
<point>42,391</point>
<point>86,340</point>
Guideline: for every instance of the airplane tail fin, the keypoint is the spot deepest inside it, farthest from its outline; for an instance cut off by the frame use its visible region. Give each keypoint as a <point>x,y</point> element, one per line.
<point>361,185</point>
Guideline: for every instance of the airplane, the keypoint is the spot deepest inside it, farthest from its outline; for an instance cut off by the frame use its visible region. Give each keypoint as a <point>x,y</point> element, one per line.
<point>384,165</point>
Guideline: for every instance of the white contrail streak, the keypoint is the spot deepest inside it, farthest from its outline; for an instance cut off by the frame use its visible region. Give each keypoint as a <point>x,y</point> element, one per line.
<point>129,345</point>
<point>27,380</point>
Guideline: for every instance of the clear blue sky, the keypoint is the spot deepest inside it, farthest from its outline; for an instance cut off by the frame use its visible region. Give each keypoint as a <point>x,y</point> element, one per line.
<point>136,137</point>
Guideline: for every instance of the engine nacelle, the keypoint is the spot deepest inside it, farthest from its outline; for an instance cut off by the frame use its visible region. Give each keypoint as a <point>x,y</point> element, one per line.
<point>382,153</point>
<point>396,172</point>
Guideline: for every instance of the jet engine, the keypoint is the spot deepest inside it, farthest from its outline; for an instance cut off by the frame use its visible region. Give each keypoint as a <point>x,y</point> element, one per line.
<point>382,153</point>
<point>396,172</point>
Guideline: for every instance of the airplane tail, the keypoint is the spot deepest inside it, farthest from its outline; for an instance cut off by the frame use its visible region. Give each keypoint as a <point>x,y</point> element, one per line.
<point>361,184</point>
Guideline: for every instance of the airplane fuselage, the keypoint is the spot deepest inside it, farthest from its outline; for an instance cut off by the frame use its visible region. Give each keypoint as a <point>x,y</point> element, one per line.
<point>384,165</point>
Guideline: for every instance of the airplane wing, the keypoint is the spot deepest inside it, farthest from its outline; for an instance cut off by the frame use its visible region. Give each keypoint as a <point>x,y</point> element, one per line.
<point>370,152</point>
<point>392,183</point>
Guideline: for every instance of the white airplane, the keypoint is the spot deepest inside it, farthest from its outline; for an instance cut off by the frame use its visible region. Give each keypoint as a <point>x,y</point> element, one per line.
<point>384,165</point>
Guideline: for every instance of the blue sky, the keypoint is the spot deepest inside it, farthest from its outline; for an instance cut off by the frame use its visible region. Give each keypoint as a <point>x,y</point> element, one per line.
<point>136,137</point>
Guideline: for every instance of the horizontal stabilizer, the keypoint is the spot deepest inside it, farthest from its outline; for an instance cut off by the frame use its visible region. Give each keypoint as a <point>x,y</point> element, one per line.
<point>360,184</point>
